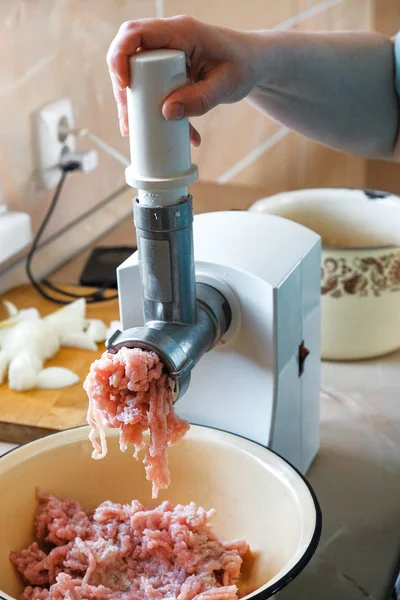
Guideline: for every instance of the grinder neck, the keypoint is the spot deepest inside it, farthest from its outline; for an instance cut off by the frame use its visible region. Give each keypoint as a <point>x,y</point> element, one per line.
<point>166,260</point>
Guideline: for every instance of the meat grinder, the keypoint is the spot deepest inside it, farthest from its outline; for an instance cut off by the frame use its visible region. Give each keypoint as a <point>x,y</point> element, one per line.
<point>229,300</point>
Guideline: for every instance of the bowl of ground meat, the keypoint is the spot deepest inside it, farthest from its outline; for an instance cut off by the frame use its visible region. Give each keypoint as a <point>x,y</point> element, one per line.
<point>236,521</point>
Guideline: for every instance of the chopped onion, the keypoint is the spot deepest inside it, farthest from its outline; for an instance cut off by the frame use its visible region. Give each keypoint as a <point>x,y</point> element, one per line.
<point>27,341</point>
<point>70,318</point>
<point>54,378</point>
<point>7,323</point>
<point>11,309</point>
<point>36,337</point>
<point>23,372</point>
<point>28,314</point>
<point>96,330</point>
<point>76,308</point>
<point>3,334</point>
<point>77,340</point>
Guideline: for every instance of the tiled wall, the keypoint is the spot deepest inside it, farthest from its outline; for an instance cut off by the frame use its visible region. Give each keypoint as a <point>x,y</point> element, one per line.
<point>55,48</point>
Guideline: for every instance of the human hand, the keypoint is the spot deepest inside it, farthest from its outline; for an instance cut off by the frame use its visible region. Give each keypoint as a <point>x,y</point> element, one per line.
<point>221,65</point>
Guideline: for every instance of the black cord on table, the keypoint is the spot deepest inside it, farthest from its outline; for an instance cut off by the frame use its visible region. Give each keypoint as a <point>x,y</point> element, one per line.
<point>91,298</point>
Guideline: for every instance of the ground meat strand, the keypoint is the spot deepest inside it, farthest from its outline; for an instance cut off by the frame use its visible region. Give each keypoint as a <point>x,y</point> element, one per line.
<point>129,391</point>
<point>128,552</point>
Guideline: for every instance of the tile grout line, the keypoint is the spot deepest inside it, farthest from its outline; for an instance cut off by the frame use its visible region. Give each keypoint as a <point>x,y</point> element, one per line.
<point>252,156</point>
<point>279,135</point>
<point>36,68</point>
<point>306,14</point>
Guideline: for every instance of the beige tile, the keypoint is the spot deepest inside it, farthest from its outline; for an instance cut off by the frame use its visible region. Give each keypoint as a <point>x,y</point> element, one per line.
<point>324,167</point>
<point>346,15</point>
<point>387,16</point>
<point>351,15</point>
<point>276,170</point>
<point>298,163</point>
<point>383,176</point>
<point>252,14</point>
<point>229,133</point>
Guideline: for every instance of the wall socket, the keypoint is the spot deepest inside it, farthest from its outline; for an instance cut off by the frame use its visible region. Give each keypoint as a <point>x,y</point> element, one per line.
<point>51,138</point>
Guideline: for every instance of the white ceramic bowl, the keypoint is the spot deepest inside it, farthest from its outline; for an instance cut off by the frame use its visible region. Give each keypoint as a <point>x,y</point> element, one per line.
<point>257,495</point>
<point>360,231</point>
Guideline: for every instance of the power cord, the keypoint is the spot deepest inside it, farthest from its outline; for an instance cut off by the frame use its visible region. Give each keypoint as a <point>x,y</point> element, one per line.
<point>69,164</point>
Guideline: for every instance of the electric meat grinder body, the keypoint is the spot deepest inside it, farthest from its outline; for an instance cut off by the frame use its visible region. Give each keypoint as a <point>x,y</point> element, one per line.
<point>231,304</point>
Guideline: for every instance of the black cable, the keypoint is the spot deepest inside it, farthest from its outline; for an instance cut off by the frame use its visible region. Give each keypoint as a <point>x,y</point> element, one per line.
<point>91,298</point>
<point>53,287</point>
<point>96,296</point>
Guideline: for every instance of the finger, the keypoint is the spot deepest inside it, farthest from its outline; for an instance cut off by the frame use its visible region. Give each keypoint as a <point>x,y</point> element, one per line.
<point>120,98</point>
<point>195,136</point>
<point>149,34</point>
<point>123,114</point>
<point>198,98</point>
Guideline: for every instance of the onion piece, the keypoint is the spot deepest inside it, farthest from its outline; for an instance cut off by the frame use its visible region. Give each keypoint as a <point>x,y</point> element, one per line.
<point>3,335</point>
<point>11,309</point>
<point>70,318</point>
<point>28,314</point>
<point>96,330</point>
<point>8,323</point>
<point>54,378</point>
<point>77,340</point>
<point>36,337</point>
<point>76,308</point>
<point>23,372</point>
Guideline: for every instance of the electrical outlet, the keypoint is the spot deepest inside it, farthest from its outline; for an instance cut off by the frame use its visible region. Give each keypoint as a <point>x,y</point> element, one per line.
<point>52,123</point>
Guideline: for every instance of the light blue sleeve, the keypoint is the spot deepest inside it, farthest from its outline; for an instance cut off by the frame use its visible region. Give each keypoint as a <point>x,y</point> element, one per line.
<point>397,61</point>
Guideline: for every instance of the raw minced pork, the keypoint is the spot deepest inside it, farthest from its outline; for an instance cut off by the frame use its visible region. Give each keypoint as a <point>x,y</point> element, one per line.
<point>127,552</point>
<point>129,391</point>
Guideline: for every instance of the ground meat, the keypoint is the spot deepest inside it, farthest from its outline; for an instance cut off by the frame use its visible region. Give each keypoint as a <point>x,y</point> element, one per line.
<point>129,391</point>
<point>128,552</point>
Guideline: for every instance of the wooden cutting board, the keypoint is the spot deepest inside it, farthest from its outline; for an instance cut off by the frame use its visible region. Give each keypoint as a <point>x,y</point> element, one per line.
<point>25,416</point>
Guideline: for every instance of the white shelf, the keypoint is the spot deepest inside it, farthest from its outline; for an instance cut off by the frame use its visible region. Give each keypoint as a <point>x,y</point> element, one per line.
<point>15,232</point>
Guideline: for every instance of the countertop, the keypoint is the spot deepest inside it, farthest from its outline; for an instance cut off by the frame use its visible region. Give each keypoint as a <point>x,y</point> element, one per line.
<point>356,474</point>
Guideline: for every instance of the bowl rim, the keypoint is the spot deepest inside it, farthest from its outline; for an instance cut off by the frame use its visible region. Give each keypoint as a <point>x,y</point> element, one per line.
<point>267,590</point>
<point>377,196</point>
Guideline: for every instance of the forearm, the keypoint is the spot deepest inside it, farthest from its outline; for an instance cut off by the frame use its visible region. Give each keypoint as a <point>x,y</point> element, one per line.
<point>337,88</point>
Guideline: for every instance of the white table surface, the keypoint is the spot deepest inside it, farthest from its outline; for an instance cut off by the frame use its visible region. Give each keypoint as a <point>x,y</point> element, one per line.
<point>356,477</point>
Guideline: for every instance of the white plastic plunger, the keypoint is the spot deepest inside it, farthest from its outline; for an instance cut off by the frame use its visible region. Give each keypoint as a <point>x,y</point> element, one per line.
<point>161,167</point>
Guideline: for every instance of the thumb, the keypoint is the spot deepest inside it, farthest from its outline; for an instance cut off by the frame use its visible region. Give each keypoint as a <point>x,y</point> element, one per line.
<point>196,99</point>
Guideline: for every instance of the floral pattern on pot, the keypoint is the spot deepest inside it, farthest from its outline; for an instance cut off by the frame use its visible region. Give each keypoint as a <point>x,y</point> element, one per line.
<point>361,276</point>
